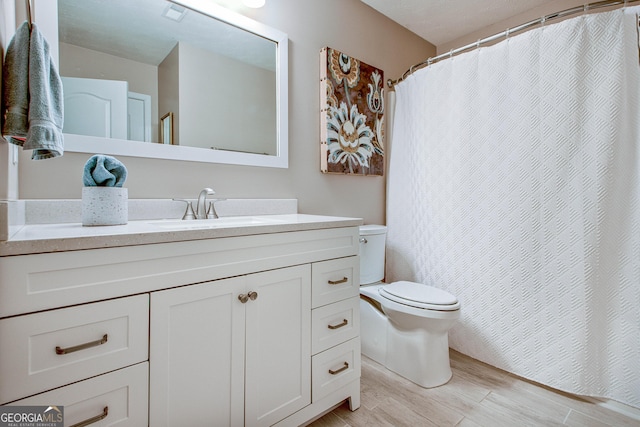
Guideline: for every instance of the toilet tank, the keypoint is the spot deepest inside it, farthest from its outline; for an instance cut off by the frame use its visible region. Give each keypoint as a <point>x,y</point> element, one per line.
<point>372,244</point>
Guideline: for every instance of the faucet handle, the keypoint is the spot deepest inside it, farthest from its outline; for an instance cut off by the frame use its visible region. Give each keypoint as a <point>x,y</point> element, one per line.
<point>188,214</point>
<point>211,212</point>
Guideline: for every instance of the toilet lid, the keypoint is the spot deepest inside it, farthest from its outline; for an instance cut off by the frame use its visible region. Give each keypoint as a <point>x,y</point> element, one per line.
<point>420,295</point>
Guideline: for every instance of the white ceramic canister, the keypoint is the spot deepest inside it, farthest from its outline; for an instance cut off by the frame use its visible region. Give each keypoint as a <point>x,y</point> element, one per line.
<point>104,206</point>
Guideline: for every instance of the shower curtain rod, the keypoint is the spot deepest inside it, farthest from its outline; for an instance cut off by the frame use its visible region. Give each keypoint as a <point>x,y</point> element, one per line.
<point>509,31</point>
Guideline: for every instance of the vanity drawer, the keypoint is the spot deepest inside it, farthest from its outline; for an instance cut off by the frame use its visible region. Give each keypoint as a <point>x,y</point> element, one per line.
<point>45,350</point>
<point>334,324</point>
<point>124,394</point>
<point>334,280</point>
<point>334,368</point>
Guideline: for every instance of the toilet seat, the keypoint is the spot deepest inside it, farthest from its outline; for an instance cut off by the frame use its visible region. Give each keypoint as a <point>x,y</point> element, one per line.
<point>420,296</point>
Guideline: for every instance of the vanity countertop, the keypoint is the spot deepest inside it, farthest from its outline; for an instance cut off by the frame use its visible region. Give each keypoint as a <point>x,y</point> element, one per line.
<point>45,238</point>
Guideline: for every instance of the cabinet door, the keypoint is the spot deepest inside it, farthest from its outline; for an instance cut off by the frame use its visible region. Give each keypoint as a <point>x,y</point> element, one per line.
<point>197,355</point>
<point>278,345</point>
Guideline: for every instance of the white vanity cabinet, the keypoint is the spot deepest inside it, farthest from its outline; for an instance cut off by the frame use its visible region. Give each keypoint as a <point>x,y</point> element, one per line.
<point>256,329</point>
<point>224,347</point>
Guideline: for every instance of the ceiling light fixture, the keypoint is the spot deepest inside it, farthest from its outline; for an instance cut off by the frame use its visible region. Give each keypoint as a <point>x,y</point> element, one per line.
<point>174,12</point>
<point>253,3</point>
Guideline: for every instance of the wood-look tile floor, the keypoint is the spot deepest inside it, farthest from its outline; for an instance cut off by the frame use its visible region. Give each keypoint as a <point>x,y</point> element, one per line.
<point>477,395</point>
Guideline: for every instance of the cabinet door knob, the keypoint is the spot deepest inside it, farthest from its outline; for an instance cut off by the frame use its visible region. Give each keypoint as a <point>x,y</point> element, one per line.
<point>246,297</point>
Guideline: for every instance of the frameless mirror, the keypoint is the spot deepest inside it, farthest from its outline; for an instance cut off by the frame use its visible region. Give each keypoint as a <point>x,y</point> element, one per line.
<point>185,80</point>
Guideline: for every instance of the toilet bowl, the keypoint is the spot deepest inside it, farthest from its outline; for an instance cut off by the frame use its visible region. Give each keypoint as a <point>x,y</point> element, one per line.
<point>404,325</point>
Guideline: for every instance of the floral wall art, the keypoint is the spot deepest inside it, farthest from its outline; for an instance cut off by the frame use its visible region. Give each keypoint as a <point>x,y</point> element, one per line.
<point>352,115</point>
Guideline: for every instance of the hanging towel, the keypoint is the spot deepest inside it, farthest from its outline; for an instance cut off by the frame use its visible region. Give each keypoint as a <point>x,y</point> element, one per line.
<point>15,98</point>
<point>33,101</point>
<point>104,171</point>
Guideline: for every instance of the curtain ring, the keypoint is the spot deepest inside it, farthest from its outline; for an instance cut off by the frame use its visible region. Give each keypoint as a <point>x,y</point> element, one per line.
<point>506,33</point>
<point>478,43</point>
<point>451,54</point>
<point>429,61</point>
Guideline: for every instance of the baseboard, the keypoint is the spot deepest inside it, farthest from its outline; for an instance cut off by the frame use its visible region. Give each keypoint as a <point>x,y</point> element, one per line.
<point>621,408</point>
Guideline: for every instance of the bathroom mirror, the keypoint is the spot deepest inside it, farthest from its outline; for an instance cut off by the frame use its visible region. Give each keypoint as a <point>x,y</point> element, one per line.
<point>222,76</point>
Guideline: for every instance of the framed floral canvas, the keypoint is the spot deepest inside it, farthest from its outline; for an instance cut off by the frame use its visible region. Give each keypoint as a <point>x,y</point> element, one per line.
<point>351,115</point>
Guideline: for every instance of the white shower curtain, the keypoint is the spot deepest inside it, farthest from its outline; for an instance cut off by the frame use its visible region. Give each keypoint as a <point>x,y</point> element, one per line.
<point>514,183</point>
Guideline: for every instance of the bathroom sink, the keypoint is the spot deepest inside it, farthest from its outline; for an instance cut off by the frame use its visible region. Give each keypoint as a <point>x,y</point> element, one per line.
<point>236,221</point>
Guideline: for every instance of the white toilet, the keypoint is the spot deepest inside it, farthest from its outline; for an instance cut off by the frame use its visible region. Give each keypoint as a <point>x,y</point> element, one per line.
<point>403,325</point>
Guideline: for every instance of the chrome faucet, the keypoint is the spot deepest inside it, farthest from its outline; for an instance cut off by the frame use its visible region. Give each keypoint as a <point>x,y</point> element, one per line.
<point>201,207</point>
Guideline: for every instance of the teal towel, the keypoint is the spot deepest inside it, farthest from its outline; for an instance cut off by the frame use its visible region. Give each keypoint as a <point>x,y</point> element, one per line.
<point>104,171</point>
<point>32,99</point>
<point>15,97</point>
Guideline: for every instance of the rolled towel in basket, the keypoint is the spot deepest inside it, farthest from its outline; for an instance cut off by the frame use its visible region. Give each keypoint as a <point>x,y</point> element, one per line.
<point>104,171</point>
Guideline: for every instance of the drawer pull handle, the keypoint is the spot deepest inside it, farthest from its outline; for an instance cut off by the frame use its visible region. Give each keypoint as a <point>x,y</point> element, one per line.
<point>345,322</point>
<point>95,419</point>
<point>338,282</point>
<point>60,350</point>
<point>337,371</point>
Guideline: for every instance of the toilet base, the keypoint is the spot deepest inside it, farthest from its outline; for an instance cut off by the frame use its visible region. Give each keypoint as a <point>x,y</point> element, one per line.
<point>416,354</point>
<point>373,331</point>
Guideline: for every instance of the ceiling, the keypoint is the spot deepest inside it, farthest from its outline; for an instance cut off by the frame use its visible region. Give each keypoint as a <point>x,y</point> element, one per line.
<point>443,21</point>
<point>137,30</point>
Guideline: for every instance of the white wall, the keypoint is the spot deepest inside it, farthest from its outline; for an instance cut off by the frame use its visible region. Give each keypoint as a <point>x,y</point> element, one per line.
<point>347,25</point>
<point>207,120</point>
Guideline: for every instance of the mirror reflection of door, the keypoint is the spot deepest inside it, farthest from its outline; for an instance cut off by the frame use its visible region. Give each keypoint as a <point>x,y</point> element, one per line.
<point>95,107</point>
<point>139,117</point>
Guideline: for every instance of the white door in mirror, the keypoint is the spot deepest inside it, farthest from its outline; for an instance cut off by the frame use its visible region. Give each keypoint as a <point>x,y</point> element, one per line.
<point>95,107</point>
